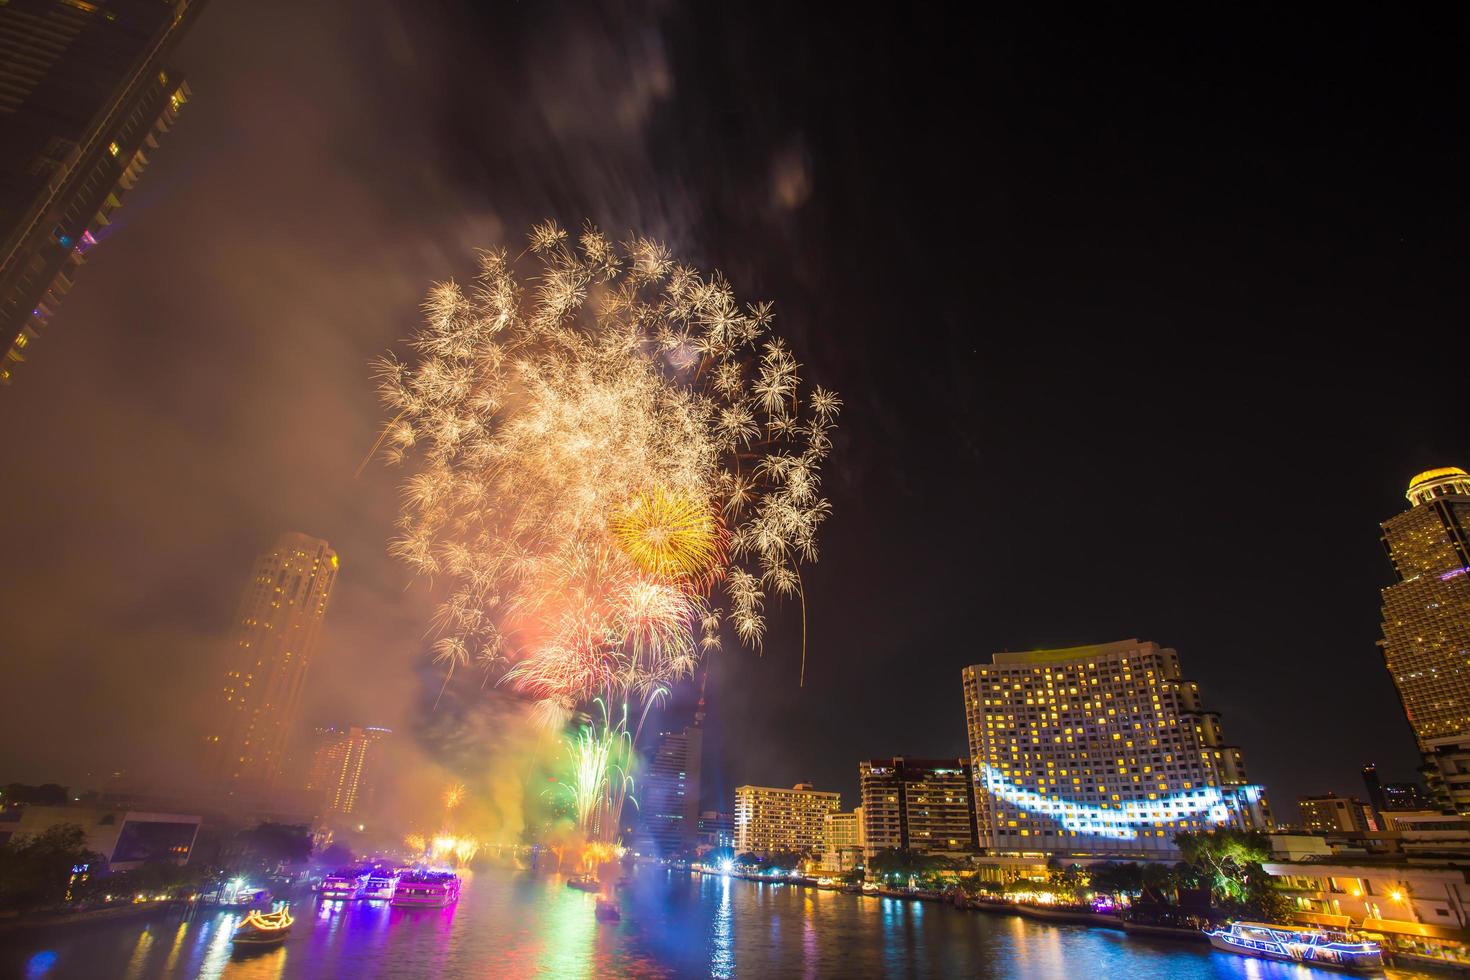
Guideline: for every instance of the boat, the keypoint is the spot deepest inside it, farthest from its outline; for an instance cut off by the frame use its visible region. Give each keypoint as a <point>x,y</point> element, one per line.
<point>1298,944</point>
<point>263,928</point>
<point>426,890</point>
<point>344,884</point>
<point>381,885</point>
<point>607,911</point>
<point>584,883</point>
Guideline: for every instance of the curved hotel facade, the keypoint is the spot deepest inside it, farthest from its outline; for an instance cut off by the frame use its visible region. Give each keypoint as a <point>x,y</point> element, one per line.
<point>1099,750</point>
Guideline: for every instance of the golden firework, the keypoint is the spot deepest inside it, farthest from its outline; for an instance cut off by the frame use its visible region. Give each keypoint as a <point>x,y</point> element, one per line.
<point>671,535</point>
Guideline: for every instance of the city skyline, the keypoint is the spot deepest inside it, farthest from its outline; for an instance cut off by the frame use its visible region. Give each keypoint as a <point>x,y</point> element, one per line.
<point>1204,549</point>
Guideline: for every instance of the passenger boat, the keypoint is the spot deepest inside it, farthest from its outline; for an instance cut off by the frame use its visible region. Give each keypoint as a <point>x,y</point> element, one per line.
<point>607,911</point>
<point>1297,944</point>
<point>584,883</point>
<point>344,884</point>
<point>381,885</point>
<point>263,928</point>
<point>426,890</point>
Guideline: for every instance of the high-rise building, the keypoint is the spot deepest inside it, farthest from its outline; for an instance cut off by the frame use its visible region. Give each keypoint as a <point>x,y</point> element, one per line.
<point>770,820</point>
<point>85,95</point>
<point>1333,814</point>
<point>1098,750</point>
<point>668,798</point>
<point>344,767</point>
<point>923,805</point>
<point>1426,626</point>
<point>276,631</point>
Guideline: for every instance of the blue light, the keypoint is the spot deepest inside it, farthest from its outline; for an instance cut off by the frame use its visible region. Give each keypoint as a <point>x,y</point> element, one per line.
<point>40,964</point>
<point>65,241</point>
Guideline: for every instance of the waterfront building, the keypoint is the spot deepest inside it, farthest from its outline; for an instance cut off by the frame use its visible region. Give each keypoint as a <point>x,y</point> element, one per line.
<point>345,767</point>
<point>716,829</point>
<point>668,792</point>
<point>126,839</point>
<point>1333,814</point>
<point>1426,625</point>
<point>276,630</point>
<point>85,95</point>
<point>1099,750</point>
<point>769,820</point>
<point>923,805</point>
<point>1417,909</point>
<point>842,841</point>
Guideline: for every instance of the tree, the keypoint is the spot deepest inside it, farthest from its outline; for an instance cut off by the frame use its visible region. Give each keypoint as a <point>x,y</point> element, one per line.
<point>47,794</point>
<point>748,859</point>
<point>270,845</point>
<point>36,870</point>
<point>1117,878</point>
<point>1069,882</point>
<point>1229,863</point>
<point>336,855</point>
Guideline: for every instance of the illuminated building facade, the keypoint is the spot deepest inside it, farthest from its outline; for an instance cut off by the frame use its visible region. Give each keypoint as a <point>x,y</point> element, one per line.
<point>770,820</point>
<point>923,805</point>
<point>276,631</point>
<point>1331,814</point>
<point>668,793</point>
<point>1426,626</point>
<point>344,767</point>
<point>1098,750</point>
<point>85,95</point>
<point>843,841</point>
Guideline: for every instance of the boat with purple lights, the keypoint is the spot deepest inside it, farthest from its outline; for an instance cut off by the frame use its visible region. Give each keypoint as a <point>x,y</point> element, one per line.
<point>344,884</point>
<point>426,890</point>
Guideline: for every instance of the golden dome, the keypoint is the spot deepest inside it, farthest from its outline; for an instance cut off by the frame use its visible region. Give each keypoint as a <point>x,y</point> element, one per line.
<point>1440,473</point>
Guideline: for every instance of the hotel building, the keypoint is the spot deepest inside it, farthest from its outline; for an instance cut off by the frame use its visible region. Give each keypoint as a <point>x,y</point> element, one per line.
<point>1426,626</point>
<point>85,96</point>
<point>276,631</point>
<point>344,767</point>
<point>842,838</point>
<point>1101,750</point>
<point>924,805</point>
<point>770,820</point>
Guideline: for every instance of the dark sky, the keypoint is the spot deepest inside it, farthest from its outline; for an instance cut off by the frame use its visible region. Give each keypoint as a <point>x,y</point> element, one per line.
<point>1141,325</point>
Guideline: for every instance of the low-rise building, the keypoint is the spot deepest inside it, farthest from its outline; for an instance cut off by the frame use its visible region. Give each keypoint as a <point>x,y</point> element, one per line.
<point>1330,813</point>
<point>126,839</point>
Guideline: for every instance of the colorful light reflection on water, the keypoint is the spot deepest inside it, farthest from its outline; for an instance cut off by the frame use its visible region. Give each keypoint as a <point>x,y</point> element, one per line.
<point>519,924</point>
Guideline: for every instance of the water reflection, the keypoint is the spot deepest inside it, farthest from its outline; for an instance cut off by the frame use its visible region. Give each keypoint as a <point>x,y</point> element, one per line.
<point>519,924</point>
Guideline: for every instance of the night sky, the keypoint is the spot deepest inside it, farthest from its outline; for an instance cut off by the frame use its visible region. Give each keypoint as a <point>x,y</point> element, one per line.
<point>1141,327</point>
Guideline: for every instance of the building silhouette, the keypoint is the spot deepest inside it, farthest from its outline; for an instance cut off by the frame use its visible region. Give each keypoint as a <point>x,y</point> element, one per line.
<point>85,95</point>
<point>1098,750</point>
<point>668,799</point>
<point>345,765</point>
<point>275,635</point>
<point>1426,626</point>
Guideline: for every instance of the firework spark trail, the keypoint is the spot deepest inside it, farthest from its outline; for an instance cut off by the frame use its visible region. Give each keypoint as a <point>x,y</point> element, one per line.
<point>611,458</point>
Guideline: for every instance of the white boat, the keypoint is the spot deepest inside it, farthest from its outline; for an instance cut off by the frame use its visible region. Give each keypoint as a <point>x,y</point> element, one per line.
<point>344,885</point>
<point>381,885</point>
<point>1297,944</point>
<point>427,890</point>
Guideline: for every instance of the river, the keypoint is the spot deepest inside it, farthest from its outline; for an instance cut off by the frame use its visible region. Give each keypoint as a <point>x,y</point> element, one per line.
<point>516,924</point>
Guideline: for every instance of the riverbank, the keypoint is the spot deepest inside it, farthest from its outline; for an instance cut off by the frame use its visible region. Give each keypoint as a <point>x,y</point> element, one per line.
<point>112,913</point>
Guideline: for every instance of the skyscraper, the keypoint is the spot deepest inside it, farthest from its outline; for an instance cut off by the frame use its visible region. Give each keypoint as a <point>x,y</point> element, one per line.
<point>1426,625</point>
<point>276,631</point>
<point>668,801</point>
<point>1098,750</point>
<point>924,805</point>
<point>85,93</point>
<point>344,767</point>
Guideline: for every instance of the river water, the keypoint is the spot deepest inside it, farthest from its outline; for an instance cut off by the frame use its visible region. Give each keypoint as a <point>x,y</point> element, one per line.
<point>517,924</point>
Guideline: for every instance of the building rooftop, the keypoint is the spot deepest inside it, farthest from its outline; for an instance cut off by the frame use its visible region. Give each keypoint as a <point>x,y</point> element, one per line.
<point>1068,653</point>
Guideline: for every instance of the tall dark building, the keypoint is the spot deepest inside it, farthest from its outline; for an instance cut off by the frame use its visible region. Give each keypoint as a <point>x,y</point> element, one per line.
<point>85,94</point>
<point>668,798</point>
<point>1426,626</point>
<point>924,805</point>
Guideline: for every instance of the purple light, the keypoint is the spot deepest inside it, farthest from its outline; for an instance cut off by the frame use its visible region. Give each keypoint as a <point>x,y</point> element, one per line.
<point>1454,574</point>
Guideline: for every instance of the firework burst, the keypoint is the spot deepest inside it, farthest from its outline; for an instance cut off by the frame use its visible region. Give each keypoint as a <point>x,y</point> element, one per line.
<point>610,459</point>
